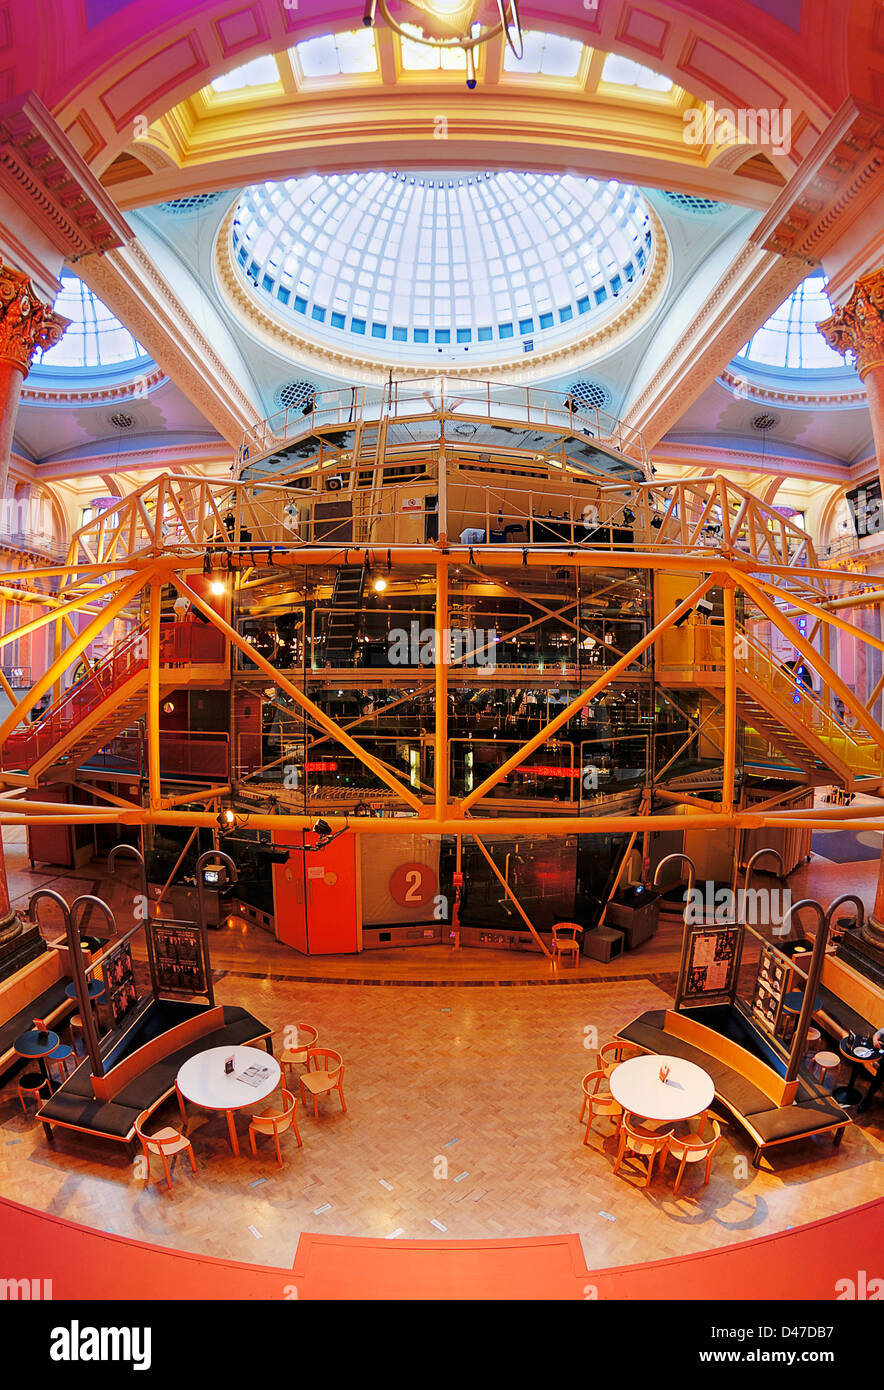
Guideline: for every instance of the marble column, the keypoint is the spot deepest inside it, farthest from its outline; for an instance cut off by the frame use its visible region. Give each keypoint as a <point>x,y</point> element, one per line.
<point>857,328</point>
<point>26,323</point>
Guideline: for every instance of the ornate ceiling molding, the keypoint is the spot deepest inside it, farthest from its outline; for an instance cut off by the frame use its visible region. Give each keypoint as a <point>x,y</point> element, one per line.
<point>754,285</point>
<point>672,453</point>
<point>133,389</point>
<point>275,332</point>
<point>840,177</point>
<point>43,172</point>
<point>132,287</point>
<point>745,389</point>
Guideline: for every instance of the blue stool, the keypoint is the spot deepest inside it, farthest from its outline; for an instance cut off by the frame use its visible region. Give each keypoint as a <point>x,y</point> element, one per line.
<point>62,1057</point>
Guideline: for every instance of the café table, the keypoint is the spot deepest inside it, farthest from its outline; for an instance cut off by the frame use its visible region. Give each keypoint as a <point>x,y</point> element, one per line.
<point>36,1046</point>
<point>851,1094</point>
<point>687,1091</point>
<point>203,1081</point>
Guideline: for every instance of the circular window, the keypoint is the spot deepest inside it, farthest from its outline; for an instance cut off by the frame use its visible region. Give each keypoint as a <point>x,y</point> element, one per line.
<point>589,393</point>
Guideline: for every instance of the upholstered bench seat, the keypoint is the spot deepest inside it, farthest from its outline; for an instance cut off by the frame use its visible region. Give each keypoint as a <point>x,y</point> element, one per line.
<point>768,1123</point>
<point>75,1107</point>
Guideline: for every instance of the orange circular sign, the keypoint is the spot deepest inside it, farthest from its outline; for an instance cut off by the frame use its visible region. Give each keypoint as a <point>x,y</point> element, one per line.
<point>413,885</point>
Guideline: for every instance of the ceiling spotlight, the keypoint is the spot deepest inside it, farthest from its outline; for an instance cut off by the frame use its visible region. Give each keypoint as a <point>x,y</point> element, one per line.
<point>451,24</point>
<point>216,588</point>
<point>379,586</point>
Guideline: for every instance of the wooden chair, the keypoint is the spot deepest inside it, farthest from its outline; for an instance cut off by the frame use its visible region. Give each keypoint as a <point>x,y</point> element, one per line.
<point>276,1122</point>
<point>693,1147</point>
<point>645,1143</point>
<point>566,942</point>
<point>166,1143</point>
<point>64,1059</point>
<point>614,1052</point>
<point>325,1072</point>
<point>598,1103</point>
<point>297,1056</point>
<point>31,1083</point>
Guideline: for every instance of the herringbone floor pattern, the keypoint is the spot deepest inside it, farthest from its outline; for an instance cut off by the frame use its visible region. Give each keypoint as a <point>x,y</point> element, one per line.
<point>462,1122</point>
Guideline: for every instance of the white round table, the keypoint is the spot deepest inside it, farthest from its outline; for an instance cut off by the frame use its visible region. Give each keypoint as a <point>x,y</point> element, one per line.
<point>636,1085</point>
<point>203,1081</point>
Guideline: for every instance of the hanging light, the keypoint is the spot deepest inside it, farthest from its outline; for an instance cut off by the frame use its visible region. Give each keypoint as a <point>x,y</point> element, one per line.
<point>451,24</point>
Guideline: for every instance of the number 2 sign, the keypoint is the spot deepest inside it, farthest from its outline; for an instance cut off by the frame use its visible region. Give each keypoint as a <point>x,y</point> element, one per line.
<point>413,885</point>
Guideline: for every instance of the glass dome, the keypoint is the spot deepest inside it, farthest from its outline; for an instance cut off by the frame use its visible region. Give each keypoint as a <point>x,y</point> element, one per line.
<point>443,264</point>
<point>95,340</point>
<point>789,340</point>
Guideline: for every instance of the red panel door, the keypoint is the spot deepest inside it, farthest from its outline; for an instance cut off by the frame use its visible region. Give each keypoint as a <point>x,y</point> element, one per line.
<point>315,897</point>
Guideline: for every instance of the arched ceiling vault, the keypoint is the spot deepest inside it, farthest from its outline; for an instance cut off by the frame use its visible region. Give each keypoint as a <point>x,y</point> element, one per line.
<point>141,64</point>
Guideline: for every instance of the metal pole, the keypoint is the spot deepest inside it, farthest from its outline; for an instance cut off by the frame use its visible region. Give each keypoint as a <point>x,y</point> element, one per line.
<point>442,654</point>
<point>814,972</point>
<point>75,952</point>
<point>208,856</point>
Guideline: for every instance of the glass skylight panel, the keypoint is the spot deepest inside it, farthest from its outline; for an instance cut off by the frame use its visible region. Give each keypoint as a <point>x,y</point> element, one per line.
<point>429,252</point>
<point>789,338</point>
<point>625,73</point>
<point>260,72</point>
<point>95,337</point>
<point>550,54</point>
<point>422,57</point>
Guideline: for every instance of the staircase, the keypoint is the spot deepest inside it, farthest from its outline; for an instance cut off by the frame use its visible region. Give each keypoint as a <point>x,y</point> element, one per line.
<point>109,699</point>
<point>342,622</point>
<point>787,717</point>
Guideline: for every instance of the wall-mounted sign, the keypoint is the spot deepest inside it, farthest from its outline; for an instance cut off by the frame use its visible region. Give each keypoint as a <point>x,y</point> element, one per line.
<point>413,885</point>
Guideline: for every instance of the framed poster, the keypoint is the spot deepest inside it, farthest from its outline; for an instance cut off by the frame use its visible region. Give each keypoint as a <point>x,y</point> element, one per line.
<point>770,986</point>
<point>119,982</point>
<point>178,958</point>
<point>709,965</point>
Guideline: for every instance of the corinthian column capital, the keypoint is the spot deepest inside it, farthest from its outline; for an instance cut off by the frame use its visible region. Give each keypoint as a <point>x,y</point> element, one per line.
<point>26,323</point>
<point>857,327</point>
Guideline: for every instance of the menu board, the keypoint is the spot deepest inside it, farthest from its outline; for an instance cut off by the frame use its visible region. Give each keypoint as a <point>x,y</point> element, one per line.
<point>179,964</point>
<point>711,962</point>
<point>770,986</point>
<point>119,982</point>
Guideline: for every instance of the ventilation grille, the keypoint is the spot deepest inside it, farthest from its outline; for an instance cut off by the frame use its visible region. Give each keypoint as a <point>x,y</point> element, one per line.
<point>590,394</point>
<point>765,422</point>
<point>687,202</point>
<point>295,394</point>
<point>180,207</point>
<point>121,421</point>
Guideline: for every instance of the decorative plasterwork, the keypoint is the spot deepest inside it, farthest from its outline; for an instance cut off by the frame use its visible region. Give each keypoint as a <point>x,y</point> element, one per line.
<point>857,327</point>
<point>26,323</point>
<point>211,460</point>
<point>132,287</point>
<point>754,285</point>
<point>276,332</point>
<point>753,391</point>
<point>94,395</point>
<point>43,172</point>
<point>670,453</point>
<point>837,180</point>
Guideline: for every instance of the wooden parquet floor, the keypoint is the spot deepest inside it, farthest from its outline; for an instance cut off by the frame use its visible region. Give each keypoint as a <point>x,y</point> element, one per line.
<point>462,1121</point>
